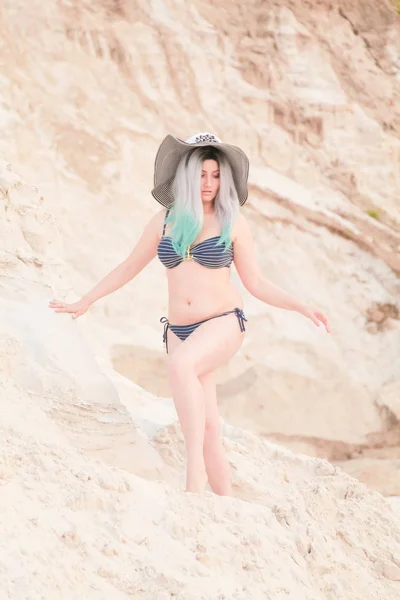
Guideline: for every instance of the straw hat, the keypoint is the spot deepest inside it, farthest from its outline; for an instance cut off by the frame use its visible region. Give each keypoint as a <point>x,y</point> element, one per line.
<point>171,151</point>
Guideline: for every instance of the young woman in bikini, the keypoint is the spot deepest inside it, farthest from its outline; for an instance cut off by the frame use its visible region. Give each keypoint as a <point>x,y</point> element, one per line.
<point>202,183</point>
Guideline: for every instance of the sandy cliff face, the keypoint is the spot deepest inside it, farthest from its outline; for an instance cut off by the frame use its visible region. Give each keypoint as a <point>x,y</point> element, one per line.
<point>310,91</point>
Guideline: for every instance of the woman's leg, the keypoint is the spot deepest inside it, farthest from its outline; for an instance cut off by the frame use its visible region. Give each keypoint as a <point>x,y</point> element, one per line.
<point>215,459</point>
<point>213,343</point>
<point>190,407</point>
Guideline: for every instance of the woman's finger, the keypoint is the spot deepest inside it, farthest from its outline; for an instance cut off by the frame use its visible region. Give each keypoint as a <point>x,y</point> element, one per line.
<point>324,320</point>
<point>315,320</point>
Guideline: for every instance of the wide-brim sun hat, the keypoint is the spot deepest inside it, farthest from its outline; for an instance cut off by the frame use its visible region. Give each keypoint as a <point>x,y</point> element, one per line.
<point>171,151</point>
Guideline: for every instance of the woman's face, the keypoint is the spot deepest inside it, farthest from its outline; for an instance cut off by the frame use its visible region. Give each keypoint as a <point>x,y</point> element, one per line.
<point>209,180</point>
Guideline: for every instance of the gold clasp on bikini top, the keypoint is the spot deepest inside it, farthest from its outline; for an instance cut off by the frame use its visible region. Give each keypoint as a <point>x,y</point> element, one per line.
<point>188,255</point>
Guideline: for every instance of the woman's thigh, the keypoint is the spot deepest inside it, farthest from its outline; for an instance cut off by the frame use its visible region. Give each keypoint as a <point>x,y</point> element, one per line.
<point>173,342</point>
<point>211,345</point>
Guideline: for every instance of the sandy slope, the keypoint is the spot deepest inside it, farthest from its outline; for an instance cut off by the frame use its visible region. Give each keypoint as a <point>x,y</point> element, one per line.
<point>91,473</point>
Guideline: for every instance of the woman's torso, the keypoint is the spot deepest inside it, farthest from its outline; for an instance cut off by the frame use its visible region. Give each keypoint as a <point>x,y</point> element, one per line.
<point>197,291</point>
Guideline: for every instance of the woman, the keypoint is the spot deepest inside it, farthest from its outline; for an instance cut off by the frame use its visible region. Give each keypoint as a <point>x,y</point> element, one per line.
<point>202,182</point>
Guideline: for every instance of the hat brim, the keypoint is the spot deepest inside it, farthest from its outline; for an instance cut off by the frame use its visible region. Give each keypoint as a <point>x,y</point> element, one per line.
<point>169,155</point>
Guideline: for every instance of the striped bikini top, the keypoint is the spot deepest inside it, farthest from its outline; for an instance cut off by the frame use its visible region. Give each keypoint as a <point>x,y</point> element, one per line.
<point>206,253</point>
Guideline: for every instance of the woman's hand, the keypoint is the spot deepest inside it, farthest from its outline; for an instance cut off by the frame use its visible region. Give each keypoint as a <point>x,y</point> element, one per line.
<point>76,308</point>
<point>316,316</point>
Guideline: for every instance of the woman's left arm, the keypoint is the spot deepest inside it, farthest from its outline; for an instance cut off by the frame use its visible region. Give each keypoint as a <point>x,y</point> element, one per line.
<point>254,281</point>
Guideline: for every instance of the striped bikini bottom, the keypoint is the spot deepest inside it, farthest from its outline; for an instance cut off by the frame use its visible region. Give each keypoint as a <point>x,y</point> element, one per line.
<point>183,331</point>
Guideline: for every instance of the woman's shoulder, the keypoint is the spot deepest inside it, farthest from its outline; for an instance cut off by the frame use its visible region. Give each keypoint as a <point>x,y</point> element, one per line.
<point>156,222</point>
<point>159,216</point>
<point>240,226</point>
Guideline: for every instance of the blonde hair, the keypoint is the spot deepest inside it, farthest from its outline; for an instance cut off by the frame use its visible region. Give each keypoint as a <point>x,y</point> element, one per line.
<point>186,214</point>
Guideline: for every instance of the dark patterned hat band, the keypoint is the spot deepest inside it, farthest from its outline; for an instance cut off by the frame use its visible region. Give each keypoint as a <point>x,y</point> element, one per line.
<point>203,137</point>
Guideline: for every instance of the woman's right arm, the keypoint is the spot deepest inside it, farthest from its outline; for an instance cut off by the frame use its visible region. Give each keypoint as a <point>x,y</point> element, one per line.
<point>144,251</point>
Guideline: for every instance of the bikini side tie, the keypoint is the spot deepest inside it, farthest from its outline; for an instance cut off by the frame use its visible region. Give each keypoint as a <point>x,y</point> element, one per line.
<point>165,321</point>
<point>241,318</point>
